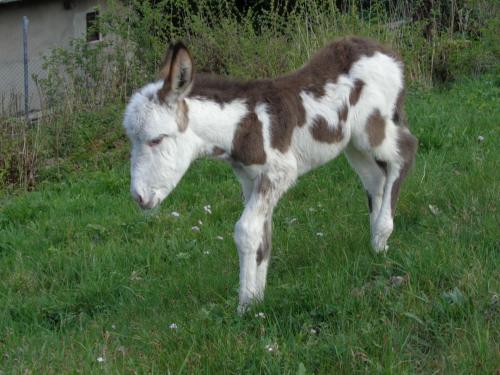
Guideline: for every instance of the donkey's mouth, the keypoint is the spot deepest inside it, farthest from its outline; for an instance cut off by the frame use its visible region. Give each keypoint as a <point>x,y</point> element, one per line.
<point>149,205</point>
<point>155,199</point>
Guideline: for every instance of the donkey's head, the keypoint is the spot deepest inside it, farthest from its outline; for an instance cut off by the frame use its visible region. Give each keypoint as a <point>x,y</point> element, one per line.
<point>156,123</point>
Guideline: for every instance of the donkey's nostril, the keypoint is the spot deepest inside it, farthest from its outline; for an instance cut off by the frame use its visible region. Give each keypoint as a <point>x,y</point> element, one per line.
<point>145,201</point>
<point>139,199</point>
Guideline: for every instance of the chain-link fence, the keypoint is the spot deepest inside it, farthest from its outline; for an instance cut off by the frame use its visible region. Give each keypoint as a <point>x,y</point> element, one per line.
<point>20,64</point>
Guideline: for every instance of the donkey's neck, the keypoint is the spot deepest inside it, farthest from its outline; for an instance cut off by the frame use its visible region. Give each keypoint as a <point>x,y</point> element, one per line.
<point>215,123</point>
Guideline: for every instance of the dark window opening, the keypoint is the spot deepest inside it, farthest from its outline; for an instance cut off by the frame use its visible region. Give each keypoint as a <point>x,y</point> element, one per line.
<point>93,26</point>
<point>67,5</point>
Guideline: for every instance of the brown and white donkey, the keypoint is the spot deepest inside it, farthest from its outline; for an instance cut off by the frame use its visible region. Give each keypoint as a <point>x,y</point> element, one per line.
<point>348,97</point>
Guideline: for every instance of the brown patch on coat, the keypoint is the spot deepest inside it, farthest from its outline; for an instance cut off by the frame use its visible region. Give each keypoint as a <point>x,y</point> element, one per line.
<point>264,250</point>
<point>407,146</point>
<point>287,113</point>
<point>399,115</point>
<point>316,91</point>
<point>375,127</point>
<point>217,151</point>
<point>344,111</point>
<point>248,141</point>
<point>355,93</point>
<point>322,132</point>
<point>282,94</point>
<point>264,185</point>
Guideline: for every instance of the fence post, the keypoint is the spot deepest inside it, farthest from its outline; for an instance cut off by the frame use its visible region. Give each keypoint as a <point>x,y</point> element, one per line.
<point>25,48</point>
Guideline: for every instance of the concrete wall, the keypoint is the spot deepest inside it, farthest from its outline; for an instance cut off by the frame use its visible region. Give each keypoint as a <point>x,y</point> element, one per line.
<point>50,25</point>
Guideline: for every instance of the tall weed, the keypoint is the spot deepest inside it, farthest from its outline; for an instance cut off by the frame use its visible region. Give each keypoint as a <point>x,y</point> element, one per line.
<point>19,153</point>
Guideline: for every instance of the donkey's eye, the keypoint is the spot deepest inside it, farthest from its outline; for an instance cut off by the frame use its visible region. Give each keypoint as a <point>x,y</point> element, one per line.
<point>156,141</point>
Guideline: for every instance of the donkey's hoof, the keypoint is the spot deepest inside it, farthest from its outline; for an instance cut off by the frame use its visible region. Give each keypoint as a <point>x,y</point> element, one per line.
<point>381,234</point>
<point>379,243</point>
<point>242,309</point>
<point>380,249</point>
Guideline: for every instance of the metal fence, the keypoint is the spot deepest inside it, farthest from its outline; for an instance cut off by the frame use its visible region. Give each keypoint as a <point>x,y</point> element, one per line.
<point>19,91</point>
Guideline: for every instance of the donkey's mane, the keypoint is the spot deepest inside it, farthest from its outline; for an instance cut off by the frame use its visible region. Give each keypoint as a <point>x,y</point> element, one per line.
<point>225,89</point>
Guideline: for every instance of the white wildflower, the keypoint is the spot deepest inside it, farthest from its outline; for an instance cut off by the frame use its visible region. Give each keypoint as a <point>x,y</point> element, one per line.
<point>195,228</point>
<point>434,209</point>
<point>260,315</point>
<point>319,234</point>
<point>175,214</point>
<point>200,222</point>
<point>480,138</point>
<point>206,252</point>
<point>207,209</point>
<point>100,359</point>
<point>271,348</point>
<point>173,326</point>
<point>220,238</point>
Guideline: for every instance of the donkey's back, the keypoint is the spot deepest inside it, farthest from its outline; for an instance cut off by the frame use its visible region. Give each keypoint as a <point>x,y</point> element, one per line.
<point>326,105</point>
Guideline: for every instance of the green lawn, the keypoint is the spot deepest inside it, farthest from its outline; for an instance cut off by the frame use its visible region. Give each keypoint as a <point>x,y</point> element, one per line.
<point>90,284</point>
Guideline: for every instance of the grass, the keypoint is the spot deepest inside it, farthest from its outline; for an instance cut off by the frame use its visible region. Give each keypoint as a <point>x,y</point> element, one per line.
<point>90,284</point>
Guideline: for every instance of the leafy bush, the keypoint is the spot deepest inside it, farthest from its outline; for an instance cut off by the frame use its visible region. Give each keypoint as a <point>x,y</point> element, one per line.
<point>439,41</point>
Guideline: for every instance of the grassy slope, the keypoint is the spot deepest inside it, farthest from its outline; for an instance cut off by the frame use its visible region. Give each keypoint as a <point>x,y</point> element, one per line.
<point>84,274</point>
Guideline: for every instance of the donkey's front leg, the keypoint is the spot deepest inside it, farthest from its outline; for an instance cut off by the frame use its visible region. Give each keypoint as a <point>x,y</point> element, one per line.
<point>251,242</point>
<point>253,232</point>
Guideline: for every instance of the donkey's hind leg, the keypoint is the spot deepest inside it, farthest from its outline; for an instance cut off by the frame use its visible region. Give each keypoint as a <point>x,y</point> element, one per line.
<point>396,165</point>
<point>372,176</point>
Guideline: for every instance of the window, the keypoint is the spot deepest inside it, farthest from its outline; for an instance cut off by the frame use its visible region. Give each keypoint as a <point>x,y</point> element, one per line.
<point>92,19</point>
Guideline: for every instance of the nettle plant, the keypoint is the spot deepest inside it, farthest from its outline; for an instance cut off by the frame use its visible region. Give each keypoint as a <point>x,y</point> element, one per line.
<point>347,98</point>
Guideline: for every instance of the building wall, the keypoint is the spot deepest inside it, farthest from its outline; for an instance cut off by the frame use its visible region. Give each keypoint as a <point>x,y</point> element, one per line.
<point>50,25</point>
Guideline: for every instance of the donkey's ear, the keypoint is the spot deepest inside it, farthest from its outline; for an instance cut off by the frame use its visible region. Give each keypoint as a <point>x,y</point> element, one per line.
<point>178,81</point>
<point>167,62</point>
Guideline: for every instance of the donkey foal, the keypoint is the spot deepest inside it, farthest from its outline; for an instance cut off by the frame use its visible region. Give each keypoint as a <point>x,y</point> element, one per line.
<point>348,97</point>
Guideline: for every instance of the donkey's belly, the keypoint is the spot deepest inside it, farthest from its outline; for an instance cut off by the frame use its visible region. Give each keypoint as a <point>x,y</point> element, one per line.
<point>311,153</point>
